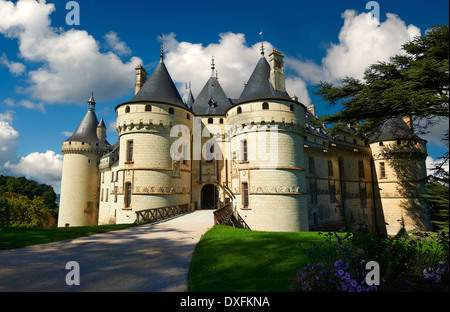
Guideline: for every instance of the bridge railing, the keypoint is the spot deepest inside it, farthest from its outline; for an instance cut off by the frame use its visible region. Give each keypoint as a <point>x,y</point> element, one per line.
<point>161,213</point>
<point>223,214</point>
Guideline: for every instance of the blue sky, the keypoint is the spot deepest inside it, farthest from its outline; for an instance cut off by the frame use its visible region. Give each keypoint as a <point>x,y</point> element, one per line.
<point>49,68</point>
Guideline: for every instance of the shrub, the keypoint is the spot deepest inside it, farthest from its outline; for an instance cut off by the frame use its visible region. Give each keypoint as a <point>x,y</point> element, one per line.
<point>339,263</point>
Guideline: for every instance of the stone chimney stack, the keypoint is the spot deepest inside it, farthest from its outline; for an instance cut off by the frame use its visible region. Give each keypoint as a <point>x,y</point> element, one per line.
<point>141,77</point>
<point>408,121</point>
<point>312,109</point>
<point>277,71</point>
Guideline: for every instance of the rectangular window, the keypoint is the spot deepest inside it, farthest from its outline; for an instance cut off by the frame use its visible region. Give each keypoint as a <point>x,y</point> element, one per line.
<point>382,170</point>
<point>313,190</point>
<point>106,196</point>
<point>245,194</point>
<point>361,168</point>
<point>332,190</point>
<point>244,151</point>
<point>312,165</point>
<point>115,194</point>
<point>127,195</point>
<point>130,150</point>
<point>330,168</point>
<point>363,195</point>
<point>101,196</point>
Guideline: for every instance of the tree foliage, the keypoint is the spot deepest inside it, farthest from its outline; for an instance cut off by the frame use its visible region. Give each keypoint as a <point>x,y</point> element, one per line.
<point>25,203</point>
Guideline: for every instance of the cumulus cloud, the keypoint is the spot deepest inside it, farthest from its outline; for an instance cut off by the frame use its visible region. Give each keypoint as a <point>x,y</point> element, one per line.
<point>360,45</point>
<point>15,68</point>
<point>45,167</point>
<point>69,63</point>
<point>115,44</point>
<point>9,140</point>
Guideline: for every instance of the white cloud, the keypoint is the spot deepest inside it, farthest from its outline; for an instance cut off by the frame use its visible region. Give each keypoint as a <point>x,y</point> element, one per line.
<point>25,103</point>
<point>431,163</point>
<point>45,167</point>
<point>360,45</point>
<point>70,64</point>
<point>15,68</point>
<point>114,43</point>
<point>66,133</point>
<point>9,140</point>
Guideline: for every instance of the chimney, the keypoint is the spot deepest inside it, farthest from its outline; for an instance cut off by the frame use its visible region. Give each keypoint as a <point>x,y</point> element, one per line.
<point>141,77</point>
<point>277,71</point>
<point>312,109</point>
<point>408,121</point>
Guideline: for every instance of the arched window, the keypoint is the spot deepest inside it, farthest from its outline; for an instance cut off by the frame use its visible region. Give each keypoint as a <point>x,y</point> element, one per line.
<point>239,110</point>
<point>127,109</point>
<point>210,120</point>
<point>188,116</point>
<point>381,144</point>
<point>171,111</point>
<point>221,120</point>
<point>148,108</point>
<point>265,105</point>
<point>292,107</point>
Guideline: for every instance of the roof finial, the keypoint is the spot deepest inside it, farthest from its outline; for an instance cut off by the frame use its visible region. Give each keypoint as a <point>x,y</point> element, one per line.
<point>262,43</point>
<point>212,67</point>
<point>162,49</point>
<point>91,103</point>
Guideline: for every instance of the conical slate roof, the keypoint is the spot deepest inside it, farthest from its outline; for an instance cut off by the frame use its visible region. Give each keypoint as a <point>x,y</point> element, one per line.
<point>393,129</point>
<point>212,100</point>
<point>87,130</point>
<point>159,88</point>
<point>259,86</point>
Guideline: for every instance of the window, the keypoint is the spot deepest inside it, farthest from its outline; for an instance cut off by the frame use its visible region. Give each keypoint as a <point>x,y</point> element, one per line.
<point>115,194</point>
<point>188,117</point>
<point>130,150</point>
<point>292,107</point>
<point>380,144</point>
<point>265,105</point>
<point>127,195</point>
<point>210,120</point>
<point>399,142</point>
<point>171,111</point>
<point>148,108</point>
<point>332,190</point>
<point>244,151</point>
<point>127,109</point>
<point>363,195</point>
<point>361,168</point>
<point>313,190</point>
<point>382,170</point>
<point>106,196</point>
<point>101,196</point>
<point>239,110</point>
<point>221,120</point>
<point>312,165</point>
<point>245,194</point>
<point>330,168</point>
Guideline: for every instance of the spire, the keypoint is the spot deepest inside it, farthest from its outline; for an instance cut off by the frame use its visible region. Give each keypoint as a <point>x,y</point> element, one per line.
<point>262,43</point>
<point>162,49</point>
<point>91,103</point>
<point>212,67</point>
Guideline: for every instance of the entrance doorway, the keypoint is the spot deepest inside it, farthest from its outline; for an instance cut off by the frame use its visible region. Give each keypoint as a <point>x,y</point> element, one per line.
<point>209,197</point>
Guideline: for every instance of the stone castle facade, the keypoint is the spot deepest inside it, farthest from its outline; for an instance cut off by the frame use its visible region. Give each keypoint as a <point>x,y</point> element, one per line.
<point>259,153</point>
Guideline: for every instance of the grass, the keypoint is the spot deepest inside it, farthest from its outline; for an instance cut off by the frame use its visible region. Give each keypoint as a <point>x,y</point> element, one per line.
<point>229,259</point>
<point>18,237</point>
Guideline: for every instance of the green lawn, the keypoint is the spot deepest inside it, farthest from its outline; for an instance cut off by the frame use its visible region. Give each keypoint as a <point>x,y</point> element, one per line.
<point>229,259</point>
<point>18,237</point>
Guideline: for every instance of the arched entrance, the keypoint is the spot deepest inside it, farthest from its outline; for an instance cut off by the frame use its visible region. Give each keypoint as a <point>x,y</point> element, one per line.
<point>209,197</point>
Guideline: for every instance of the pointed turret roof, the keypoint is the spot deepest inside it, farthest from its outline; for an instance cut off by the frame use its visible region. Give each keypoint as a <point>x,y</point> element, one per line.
<point>393,129</point>
<point>212,100</point>
<point>159,88</point>
<point>259,86</point>
<point>188,98</point>
<point>87,129</point>
<point>101,124</point>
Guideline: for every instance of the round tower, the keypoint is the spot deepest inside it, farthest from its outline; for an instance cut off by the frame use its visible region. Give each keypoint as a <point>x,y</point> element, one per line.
<point>79,182</point>
<point>154,130</point>
<point>266,129</point>
<point>400,172</point>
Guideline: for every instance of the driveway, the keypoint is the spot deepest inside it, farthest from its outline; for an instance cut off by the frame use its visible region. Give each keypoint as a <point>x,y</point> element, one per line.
<point>152,257</point>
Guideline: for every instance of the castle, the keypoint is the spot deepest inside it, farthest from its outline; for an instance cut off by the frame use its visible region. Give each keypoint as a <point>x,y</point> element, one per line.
<point>259,152</point>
